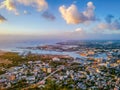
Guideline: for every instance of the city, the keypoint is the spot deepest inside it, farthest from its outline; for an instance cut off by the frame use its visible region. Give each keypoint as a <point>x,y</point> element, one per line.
<point>66,72</point>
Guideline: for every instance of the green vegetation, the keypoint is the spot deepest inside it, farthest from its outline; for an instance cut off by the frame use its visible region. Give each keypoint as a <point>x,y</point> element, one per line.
<point>15,59</point>
<point>18,86</point>
<point>56,63</point>
<point>2,72</point>
<point>52,85</point>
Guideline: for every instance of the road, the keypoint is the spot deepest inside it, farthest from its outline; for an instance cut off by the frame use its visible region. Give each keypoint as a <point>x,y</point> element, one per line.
<point>45,78</point>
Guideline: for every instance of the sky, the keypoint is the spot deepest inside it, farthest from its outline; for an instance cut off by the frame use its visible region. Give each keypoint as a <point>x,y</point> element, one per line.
<point>71,19</point>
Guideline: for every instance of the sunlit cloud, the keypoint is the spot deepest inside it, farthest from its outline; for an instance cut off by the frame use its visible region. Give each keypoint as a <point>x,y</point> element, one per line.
<point>9,5</point>
<point>2,19</point>
<point>38,4</point>
<point>73,16</point>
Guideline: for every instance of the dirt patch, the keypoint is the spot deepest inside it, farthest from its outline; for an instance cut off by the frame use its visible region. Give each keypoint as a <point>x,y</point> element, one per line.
<point>2,53</point>
<point>5,61</point>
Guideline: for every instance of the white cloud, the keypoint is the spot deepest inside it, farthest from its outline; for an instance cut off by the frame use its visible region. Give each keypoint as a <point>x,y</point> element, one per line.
<point>79,30</point>
<point>77,33</point>
<point>89,13</point>
<point>72,16</point>
<point>25,12</point>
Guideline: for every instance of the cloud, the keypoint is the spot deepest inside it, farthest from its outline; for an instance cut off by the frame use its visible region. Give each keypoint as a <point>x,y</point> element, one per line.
<point>109,18</point>
<point>49,16</point>
<point>2,19</point>
<point>10,5</point>
<point>109,24</point>
<point>39,4</point>
<point>115,25</point>
<point>79,30</point>
<point>72,16</point>
<point>89,12</point>
<point>26,12</point>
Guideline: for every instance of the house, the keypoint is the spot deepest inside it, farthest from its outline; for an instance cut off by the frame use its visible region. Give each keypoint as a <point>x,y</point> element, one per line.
<point>37,62</point>
<point>55,59</point>
<point>30,79</point>
<point>91,52</point>
<point>30,62</point>
<point>12,77</point>
<point>49,70</point>
<point>41,82</point>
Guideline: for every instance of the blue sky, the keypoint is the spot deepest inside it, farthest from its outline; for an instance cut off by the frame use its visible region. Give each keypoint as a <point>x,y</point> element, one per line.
<point>78,18</point>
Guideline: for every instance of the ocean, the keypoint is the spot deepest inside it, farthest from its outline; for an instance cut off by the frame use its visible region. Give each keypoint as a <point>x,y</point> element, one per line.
<point>19,46</point>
